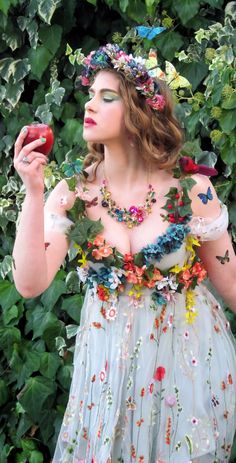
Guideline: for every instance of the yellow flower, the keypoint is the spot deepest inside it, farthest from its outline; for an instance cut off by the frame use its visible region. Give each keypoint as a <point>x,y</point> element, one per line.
<point>191,313</point>
<point>83,261</point>
<point>190,243</point>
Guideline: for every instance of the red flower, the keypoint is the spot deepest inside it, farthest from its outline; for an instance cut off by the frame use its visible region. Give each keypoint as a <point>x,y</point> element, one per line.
<point>230,381</point>
<point>188,166</point>
<point>159,374</point>
<point>97,324</point>
<point>142,392</point>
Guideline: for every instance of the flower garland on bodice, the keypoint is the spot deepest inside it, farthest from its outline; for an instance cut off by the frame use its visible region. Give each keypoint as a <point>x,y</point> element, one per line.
<point>136,272</point>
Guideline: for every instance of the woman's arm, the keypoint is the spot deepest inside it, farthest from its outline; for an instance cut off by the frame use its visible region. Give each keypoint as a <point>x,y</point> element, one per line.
<point>217,255</point>
<point>34,265</point>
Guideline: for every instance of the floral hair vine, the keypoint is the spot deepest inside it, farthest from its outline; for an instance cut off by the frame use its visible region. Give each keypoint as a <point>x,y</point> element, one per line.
<point>111,56</point>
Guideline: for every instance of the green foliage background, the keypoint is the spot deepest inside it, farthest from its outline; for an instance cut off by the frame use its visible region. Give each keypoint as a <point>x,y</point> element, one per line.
<point>37,82</point>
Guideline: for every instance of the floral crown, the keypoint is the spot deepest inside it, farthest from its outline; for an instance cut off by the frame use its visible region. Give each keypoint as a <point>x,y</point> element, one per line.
<point>113,57</point>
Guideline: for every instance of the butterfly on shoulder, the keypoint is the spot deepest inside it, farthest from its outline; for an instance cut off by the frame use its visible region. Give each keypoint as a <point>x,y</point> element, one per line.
<point>93,202</point>
<point>149,32</point>
<point>206,197</point>
<point>224,259</point>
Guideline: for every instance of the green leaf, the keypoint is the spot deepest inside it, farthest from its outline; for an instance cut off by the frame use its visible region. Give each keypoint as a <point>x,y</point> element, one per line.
<point>8,294</point>
<point>85,230</point>
<point>56,94</point>
<point>40,320</point>
<point>227,121</point>
<point>4,6</point>
<point>13,39</point>
<point>44,114</point>
<point>230,102</point>
<point>9,336</point>
<point>169,43</point>
<point>50,37</point>
<point>3,392</point>
<point>5,266</point>
<point>64,376</point>
<point>123,5</point>
<point>36,457</point>
<point>35,393</point>
<point>194,72</point>
<point>39,60</point>
<point>71,133</point>
<point>72,305</point>
<point>13,93</point>
<point>46,9</point>
<point>49,364</point>
<point>186,9</point>
<point>10,314</point>
<point>52,294</point>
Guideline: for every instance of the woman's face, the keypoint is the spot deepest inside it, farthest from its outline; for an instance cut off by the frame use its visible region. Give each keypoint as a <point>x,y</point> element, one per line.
<point>104,112</point>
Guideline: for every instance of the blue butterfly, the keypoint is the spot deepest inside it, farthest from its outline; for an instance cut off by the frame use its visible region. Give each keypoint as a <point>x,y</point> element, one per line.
<point>149,32</point>
<point>72,168</point>
<point>206,197</point>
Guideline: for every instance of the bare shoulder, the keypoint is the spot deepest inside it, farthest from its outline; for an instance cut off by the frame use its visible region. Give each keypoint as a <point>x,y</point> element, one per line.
<point>205,202</point>
<point>61,199</point>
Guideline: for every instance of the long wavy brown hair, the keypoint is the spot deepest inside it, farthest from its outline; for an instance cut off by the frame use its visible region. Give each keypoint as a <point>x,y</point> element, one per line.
<point>157,135</point>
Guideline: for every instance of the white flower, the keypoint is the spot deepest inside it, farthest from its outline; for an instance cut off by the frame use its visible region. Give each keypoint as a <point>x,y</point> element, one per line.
<point>194,361</point>
<point>82,273</point>
<point>111,313</point>
<point>194,421</point>
<point>186,334</point>
<point>102,375</point>
<point>114,279</point>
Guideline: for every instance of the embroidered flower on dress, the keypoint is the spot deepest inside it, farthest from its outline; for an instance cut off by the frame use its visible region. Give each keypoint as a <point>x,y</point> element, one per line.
<point>159,374</point>
<point>111,313</point>
<point>170,400</point>
<point>194,421</point>
<point>194,361</point>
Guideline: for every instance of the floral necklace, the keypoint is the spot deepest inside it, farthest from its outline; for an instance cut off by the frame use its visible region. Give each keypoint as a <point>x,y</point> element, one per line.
<point>133,216</point>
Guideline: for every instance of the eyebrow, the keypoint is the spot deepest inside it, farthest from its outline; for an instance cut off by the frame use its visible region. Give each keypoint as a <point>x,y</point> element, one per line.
<point>102,90</point>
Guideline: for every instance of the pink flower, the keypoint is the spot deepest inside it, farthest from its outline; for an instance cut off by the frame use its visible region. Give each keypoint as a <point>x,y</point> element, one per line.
<point>98,240</point>
<point>159,374</point>
<point>85,80</point>
<point>170,400</point>
<point>102,375</point>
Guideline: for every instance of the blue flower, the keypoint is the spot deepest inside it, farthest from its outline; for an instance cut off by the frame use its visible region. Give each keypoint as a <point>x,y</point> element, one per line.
<point>167,243</point>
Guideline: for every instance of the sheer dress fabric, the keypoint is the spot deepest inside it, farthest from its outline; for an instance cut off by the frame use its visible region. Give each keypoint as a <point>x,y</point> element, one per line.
<point>146,396</point>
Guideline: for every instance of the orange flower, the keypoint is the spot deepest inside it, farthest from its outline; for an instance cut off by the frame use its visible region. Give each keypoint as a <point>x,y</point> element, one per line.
<point>132,278</point>
<point>230,380</point>
<point>103,251</point>
<point>98,240</point>
<point>97,324</point>
<point>185,278</point>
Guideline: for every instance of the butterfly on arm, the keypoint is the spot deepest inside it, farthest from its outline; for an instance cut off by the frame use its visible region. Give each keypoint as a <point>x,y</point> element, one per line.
<point>206,197</point>
<point>224,259</point>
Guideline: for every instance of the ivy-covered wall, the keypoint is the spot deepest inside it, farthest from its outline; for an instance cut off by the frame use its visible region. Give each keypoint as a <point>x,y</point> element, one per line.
<point>38,82</point>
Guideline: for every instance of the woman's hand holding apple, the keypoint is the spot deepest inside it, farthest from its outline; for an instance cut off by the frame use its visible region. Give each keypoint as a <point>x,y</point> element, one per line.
<point>32,147</point>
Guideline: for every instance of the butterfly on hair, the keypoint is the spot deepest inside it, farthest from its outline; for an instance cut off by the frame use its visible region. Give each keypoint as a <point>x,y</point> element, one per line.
<point>206,197</point>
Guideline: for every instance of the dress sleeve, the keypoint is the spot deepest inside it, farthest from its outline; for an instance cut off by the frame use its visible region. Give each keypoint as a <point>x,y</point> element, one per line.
<point>207,229</point>
<point>56,222</point>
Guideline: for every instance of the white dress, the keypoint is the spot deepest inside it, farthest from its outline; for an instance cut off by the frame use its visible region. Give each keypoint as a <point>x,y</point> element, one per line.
<point>154,378</point>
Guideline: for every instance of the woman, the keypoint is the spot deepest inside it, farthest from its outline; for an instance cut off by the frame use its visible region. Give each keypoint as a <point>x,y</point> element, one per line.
<point>155,365</point>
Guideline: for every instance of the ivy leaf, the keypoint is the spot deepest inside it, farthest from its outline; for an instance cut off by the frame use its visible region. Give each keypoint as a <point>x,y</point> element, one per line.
<point>8,294</point>
<point>187,183</point>
<point>35,393</point>
<point>52,294</point>
<point>186,9</point>
<point>39,60</point>
<point>84,230</point>
<point>230,102</point>
<point>72,305</point>
<point>46,9</point>
<point>50,37</point>
<point>227,121</point>
<point>49,364</point>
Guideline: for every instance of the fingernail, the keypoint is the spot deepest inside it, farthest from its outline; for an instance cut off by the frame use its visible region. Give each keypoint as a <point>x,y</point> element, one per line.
<point>24,129</point>
<point>42,139</point>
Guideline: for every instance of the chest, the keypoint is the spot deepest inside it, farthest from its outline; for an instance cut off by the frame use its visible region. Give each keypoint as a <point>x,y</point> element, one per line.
<point>117,234</point>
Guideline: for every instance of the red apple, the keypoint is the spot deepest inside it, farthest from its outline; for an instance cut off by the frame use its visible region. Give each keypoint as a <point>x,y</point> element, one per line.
<point>36,131</point>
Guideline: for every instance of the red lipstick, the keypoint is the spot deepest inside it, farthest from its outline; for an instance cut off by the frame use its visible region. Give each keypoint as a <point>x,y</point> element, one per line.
<point>89,121</point>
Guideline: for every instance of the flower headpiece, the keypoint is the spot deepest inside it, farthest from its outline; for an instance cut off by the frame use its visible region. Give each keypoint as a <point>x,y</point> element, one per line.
<point>113,57</point>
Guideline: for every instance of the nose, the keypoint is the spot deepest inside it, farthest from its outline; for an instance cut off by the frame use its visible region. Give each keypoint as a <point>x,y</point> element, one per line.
<point>90,106</point>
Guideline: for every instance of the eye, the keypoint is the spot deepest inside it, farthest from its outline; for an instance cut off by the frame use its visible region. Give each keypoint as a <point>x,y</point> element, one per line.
<point>108,99</point>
